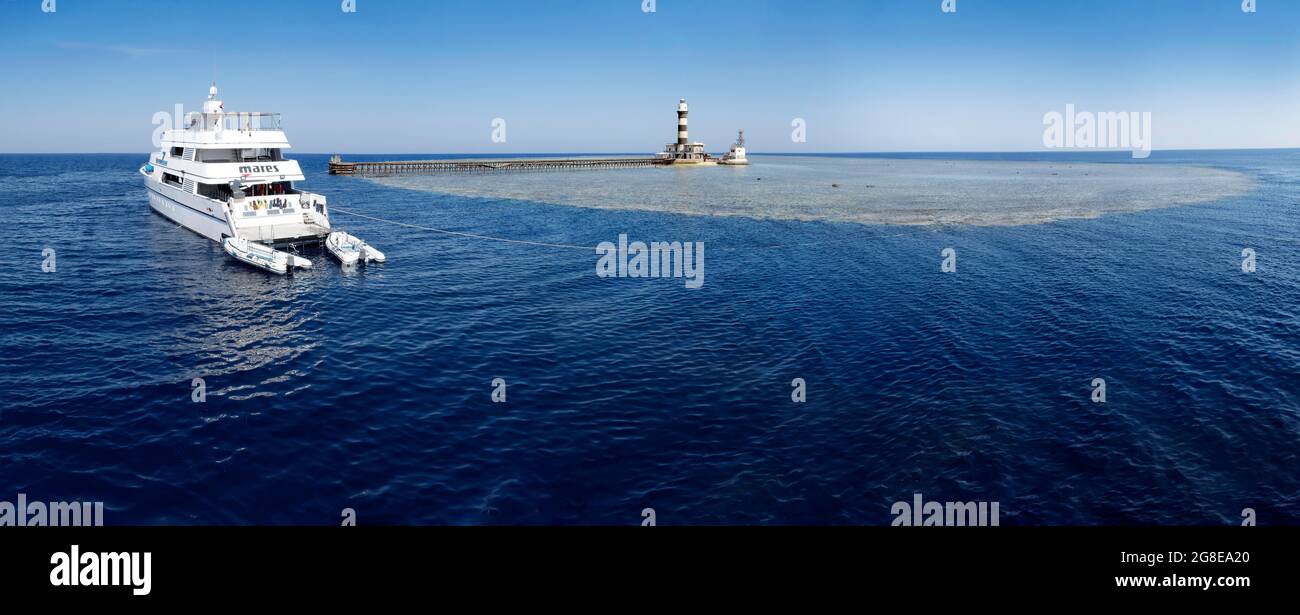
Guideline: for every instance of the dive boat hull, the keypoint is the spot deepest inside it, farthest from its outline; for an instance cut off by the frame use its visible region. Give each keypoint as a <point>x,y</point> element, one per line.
<point>190,213</point>
<point>207,218</point>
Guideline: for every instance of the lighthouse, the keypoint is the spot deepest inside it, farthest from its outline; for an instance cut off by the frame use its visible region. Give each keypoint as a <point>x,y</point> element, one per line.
<point>682,110</point>
<point>683,151</point>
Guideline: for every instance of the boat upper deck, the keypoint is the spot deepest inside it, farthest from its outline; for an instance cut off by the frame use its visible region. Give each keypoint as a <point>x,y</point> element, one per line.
<point>229,129</point>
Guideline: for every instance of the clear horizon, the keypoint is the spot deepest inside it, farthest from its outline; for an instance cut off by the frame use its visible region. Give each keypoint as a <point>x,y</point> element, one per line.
<point>589,76</point>
<point>1045,151</point>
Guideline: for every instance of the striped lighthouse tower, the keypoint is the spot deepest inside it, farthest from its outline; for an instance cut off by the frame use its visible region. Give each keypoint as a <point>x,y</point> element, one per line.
<point>682,139</point>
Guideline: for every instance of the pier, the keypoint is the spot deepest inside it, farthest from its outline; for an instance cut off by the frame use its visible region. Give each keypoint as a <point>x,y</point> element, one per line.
<point>681,152</point>
<point>416,167</point>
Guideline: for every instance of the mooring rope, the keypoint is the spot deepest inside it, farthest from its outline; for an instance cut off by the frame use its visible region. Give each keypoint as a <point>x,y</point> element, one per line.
<point>468,235</point>
<point>586,248</point>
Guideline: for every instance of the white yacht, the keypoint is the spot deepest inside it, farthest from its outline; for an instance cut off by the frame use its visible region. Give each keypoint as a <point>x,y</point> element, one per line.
<point>737,154</point>
<point>224,176</point>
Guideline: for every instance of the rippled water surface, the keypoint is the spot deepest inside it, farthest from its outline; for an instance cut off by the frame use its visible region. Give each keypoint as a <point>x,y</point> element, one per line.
<point>371,389</point>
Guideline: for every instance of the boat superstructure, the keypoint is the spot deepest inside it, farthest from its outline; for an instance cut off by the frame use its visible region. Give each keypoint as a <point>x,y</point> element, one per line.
<point>737,154</point>
<point>224,175</point>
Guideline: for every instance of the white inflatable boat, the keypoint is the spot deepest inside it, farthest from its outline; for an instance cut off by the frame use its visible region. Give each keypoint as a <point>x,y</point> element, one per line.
<point>263,257</point>
<point>350,250</point>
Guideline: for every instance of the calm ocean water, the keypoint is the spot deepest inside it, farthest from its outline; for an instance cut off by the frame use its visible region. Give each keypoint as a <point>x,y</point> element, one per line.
<point>371,390</point>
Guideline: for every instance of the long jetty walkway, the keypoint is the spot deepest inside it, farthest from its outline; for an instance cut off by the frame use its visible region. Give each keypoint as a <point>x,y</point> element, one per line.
<point>398,167</point>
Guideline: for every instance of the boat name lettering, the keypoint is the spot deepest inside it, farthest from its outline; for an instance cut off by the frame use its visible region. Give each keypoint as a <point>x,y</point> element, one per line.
<point>270,168</point>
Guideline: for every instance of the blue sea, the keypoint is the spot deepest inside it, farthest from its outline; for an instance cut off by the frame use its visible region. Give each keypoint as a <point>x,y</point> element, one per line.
<point>372,389</point>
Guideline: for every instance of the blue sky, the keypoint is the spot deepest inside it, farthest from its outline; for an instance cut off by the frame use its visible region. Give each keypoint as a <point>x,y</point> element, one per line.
<point>404,76</point>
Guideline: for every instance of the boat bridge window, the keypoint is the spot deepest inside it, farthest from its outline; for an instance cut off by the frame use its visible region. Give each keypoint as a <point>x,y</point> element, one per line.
<point>256,154</point>
<point>216,155</point>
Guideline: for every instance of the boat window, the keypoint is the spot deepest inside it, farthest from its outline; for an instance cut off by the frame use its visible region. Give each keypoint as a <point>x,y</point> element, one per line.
<point>270,189</point>
<point>172,179</point>
<point>220,192</point>
<point>250,154</point>
<point>258,154</point>
<point>218,155</point>
<point>178,152</point>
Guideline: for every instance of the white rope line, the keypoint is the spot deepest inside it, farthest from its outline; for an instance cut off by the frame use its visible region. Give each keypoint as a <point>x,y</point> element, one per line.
<point>585,248</point>
<point>469,235</point>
